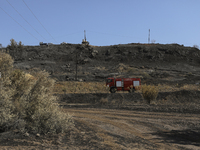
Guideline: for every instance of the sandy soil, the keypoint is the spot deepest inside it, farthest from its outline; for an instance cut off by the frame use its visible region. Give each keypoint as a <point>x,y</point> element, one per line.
<point>100,128</point>
<point>122,129</point>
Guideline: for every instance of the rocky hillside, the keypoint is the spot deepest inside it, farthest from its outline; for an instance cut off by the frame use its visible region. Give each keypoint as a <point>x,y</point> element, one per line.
<point>170,63</point>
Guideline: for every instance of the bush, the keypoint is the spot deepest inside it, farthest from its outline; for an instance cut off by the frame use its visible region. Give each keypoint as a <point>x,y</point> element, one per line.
<point>20,45</point>
<point>27,102</point>
<point>13,45</point>
<point>6,65</point>
<point>149,92</point>
<point>42,111</point>
<point>6,105</point>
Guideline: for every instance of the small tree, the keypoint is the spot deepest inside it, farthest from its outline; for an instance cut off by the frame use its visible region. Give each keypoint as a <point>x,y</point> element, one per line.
<point>20,45</point>
<point>13,44</point>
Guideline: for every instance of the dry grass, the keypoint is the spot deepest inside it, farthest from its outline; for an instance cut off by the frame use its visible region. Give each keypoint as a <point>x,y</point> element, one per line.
<point>80,87</point>
<point>100,68</point>
<point>126,69</point>
<point>138,88</point>
<point>145,75</point>
<point>149,92</point>
<point>173,88</point>
<point>100,87</point>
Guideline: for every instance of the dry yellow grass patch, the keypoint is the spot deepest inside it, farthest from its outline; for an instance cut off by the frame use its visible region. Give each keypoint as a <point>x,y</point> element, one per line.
<point>80,87</point>
<point>125,68</point>
<point>173,88</point>
<point>100,87</point>
<point>100,68</point>
<point>191,87</point>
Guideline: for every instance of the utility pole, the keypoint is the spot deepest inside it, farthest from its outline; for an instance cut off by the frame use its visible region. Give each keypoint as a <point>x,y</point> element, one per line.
<point>149,37</point>
<point>76,67</point>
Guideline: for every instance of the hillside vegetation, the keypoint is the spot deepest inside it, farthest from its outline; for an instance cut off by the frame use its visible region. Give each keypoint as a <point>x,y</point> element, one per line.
<point>159,63</point>
<point>27,103</point>
<point>163,115</point>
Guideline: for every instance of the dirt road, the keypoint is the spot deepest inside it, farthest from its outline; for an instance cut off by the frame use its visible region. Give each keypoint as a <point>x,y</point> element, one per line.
<point>125,129</point>
<point>115,129</point>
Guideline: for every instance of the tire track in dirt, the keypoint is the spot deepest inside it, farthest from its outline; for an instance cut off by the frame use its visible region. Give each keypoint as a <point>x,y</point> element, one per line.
<point>139,124</point>
<point>124,113</point>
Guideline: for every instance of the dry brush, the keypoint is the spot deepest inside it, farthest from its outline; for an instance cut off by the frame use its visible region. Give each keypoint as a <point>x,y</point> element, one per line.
<point>27,102</point>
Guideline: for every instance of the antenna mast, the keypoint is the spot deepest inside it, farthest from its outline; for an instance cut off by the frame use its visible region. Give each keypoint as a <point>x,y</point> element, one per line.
<point>84,35</point>
<point>149,37</point>
<point>84,41</point>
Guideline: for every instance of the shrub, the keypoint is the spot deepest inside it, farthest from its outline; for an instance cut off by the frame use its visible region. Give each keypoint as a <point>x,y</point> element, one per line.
<point>149,92</point>
<point>6,105</point>
<point>27,103</point>
<point>20,45</point>
<point>137,88</point>
<point>42,113</point>
<point>13,44</point>
<point>6,65</point>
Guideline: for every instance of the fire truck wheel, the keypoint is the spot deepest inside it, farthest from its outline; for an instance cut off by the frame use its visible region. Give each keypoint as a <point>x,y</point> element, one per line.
<point>131,90</point>
<point>112,90</point>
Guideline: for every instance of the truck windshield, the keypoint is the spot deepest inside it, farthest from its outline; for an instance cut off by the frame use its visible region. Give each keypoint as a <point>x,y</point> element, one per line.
<point>109,80</point>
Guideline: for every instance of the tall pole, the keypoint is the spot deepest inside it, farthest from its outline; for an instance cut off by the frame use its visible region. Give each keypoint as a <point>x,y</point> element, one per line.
<point>149,37</point>
<point>84,35</point>
<point>76,67</point>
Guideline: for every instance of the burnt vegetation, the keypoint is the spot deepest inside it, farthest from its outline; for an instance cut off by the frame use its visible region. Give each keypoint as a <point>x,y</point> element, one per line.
<point>39,84</point>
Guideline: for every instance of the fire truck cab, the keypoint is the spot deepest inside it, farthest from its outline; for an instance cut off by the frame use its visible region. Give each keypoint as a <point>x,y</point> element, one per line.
<point>123,84</point>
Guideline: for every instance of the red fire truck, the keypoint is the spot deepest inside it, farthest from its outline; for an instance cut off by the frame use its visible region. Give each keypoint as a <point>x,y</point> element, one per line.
<point>123,84</point>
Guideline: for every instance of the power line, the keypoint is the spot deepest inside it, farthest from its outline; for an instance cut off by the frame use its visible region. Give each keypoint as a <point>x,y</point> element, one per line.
<point>19,24</point>
<point>38,20</point>
<point>25,20</point>
<point>69,34</point>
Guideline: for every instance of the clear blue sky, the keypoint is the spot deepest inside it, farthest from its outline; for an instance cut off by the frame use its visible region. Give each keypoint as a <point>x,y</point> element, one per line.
<point>107,22</point>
